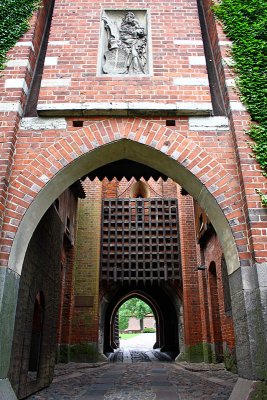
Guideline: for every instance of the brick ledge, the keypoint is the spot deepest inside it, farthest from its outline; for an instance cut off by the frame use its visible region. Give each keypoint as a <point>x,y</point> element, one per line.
<point>124,109</point>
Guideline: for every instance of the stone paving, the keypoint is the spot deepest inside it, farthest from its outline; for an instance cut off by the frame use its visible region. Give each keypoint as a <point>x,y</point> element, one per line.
<point>153,380</point>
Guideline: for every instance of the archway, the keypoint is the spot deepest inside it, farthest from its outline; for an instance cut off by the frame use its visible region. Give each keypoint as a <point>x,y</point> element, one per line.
<point>136,319</point>
<point>169,164</point>
<point>159,301</point>
<point>204,181</point>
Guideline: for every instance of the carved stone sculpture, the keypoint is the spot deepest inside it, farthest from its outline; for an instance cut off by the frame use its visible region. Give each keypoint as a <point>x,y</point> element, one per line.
<point>126,51</point>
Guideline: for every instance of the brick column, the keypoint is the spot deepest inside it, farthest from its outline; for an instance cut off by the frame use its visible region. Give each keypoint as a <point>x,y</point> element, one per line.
<point>84,336</point>
<point>194,350</point>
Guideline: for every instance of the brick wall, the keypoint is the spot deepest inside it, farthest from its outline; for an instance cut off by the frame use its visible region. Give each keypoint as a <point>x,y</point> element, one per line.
<point>87,261</point>
<point>249,171</point>
<point>66,206</point>
<point>213,255</point>
<point>14,85</point>
<point>47,269</point>
<point>77,54</point>
<point>191,295</point>
<point>40,273</point>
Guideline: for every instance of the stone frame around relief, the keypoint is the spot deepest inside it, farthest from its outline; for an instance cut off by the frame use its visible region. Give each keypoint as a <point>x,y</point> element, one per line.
<point>125,54</point>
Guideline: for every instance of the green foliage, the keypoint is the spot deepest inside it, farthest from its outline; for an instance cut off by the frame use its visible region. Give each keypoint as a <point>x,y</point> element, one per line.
<point>14,21</point>
<point>263,197</point>
<point>132,308</point>
<point>126,336</point>
<point>245,22</point>
<point>149,330</point>
<point>123,321</point>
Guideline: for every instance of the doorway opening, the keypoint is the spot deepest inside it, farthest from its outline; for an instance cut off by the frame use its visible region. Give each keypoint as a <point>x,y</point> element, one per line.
<point>135,318</point>
<point>36,336</point>
<point>135,331</point>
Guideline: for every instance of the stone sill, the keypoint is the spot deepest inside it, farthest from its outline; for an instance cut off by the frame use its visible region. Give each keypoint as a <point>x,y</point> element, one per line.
<point>126,109</point>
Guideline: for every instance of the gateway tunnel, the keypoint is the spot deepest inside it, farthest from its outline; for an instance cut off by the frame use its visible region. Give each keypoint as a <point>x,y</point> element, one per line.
<point>123,231</point>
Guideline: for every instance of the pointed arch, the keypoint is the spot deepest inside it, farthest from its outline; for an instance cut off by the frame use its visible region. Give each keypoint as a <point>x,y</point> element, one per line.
<point>181,159</point>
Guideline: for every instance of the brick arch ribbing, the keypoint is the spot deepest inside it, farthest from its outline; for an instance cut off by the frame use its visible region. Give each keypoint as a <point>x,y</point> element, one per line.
<point>63,162</point>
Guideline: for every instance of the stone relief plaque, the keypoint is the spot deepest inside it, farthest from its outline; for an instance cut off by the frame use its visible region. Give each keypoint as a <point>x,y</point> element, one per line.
<point>124,43</point>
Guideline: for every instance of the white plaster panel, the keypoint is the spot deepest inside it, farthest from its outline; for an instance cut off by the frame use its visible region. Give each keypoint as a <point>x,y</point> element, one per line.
<point>25,44</point>
<point>179,107</point>
<point>56,82</point>
<point>189,81</point>
<point>197,60</point>
<point>208,124</point>
<point>58,42</point>
<point>50,61</point>
<point>37,123</point>
<point>230,83</point>
<point>16,83</point>
<point>225,43</point>
<point>18,63</point>
<point>194,106</point>
<point>187,42</point>
<point>11,107</point>
<point>237,106</point>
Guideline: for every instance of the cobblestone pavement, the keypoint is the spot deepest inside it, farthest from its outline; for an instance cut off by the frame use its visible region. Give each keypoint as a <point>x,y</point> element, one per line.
<point>152,380</point>
<point>135,355</point>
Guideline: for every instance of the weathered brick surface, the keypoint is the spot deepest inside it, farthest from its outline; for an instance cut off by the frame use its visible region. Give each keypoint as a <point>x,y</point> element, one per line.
<point>87,262</point>
<point>39,274</point>
<point>191,295</point>
<point>219,323</point>
<point>14,83</point>
<point>78,57</point>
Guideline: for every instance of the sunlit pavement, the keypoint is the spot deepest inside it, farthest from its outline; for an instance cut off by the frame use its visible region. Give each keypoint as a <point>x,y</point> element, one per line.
<point>144,341</point>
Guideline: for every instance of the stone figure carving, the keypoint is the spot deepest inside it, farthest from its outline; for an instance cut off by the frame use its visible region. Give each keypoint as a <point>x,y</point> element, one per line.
<point>126,46</point>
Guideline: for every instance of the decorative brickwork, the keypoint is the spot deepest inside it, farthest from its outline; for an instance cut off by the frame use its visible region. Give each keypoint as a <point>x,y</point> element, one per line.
<point>87,261</point>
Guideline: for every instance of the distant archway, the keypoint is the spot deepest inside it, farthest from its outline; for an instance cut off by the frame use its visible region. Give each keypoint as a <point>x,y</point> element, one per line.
<point>162,306</point>
<point>140,189</point>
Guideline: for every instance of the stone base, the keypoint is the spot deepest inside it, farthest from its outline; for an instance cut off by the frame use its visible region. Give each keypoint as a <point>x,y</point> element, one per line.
<point>243,388</point>
<point>6,391</point>
<point>202,352</point>
<point>249,294</point>
<point>86,352</point>
<point>9,284</point>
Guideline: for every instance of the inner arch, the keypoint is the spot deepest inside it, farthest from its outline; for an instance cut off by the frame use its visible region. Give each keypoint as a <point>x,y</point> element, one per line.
<point>162,304</point>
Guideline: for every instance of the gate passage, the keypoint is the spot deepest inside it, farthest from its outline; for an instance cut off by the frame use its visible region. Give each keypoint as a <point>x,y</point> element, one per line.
<point>140,240</point>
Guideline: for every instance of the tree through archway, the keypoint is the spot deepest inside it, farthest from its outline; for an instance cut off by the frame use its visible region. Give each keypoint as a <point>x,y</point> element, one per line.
<point>136,318</point>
